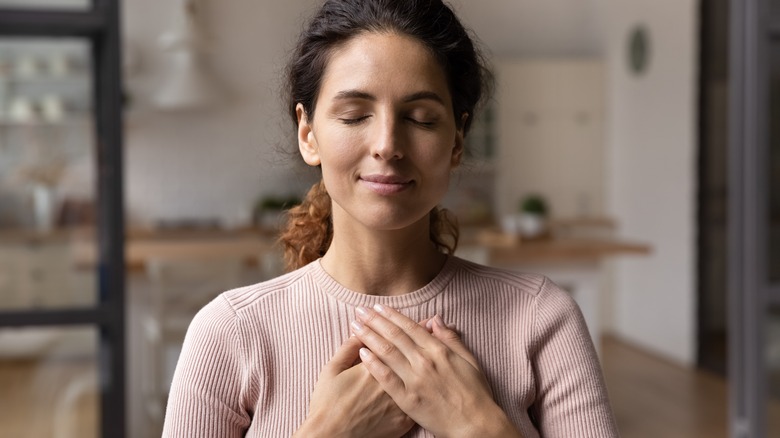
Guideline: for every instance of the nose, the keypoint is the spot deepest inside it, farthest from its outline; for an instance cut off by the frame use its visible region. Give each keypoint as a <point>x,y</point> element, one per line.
<point>387,143</point>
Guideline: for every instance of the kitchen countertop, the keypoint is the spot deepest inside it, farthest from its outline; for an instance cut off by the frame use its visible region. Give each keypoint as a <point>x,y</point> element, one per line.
<point>505,249</point>
<point>142,244</point>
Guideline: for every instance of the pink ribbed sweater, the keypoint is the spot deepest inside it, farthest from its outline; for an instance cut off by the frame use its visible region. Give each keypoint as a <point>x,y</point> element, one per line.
<point>252,356</point>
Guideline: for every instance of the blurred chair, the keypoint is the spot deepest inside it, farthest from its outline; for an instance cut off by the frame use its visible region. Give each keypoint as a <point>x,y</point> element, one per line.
<point>179,287</point>
<point>70,418</point>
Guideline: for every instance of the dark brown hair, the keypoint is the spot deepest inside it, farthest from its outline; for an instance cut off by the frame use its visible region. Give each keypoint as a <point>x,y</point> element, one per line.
<point>308,231</point>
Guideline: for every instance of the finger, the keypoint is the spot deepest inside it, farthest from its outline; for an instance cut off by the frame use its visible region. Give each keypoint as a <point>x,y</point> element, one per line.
<point>345,357</point>
<point>384,375</point>
<point>427,323</point>
<point>395,332</point>
<point>399,329</point>
<point>385,349</point>
<point>452,340</point>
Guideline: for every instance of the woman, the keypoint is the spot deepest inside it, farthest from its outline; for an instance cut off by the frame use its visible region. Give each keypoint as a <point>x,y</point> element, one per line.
<point>353,341</point>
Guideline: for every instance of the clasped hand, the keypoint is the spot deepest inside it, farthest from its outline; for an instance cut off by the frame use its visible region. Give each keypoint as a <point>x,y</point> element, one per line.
<point>426,370</point>
<point>410,373</point>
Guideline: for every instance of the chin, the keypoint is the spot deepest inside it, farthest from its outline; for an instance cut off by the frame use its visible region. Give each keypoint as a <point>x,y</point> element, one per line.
<point>393,219</point>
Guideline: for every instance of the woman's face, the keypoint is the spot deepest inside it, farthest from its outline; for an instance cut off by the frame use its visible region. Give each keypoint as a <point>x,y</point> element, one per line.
<point>383,132</point>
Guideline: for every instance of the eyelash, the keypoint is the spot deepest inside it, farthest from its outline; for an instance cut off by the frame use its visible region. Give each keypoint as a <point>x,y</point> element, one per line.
<point>357,120</point>
<point>423,124</point>
<point>354,121</point>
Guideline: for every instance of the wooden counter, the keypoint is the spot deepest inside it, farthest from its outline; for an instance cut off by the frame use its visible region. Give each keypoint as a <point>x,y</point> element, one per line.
<point>510,250</point>
<point>141,246</point>
<point>564,251</point>
<point>249,243</point>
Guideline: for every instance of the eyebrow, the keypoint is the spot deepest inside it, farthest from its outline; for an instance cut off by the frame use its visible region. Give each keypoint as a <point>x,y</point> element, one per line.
<point>354,94</point>
<point>420,95</point>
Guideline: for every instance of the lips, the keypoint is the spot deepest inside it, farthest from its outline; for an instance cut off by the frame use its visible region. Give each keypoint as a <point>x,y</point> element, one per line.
<point>385,179</point>
<point>386,184</point>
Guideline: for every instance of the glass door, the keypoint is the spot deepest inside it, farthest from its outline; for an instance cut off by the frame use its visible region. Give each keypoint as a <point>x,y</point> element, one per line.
<point>62,347</point>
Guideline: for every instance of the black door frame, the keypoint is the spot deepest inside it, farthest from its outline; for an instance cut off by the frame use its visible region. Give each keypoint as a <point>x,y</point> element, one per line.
<point>749,288</point>
<point>100,24</point>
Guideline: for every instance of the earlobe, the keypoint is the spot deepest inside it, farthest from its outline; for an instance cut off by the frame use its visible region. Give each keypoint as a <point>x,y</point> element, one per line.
<point>307,143</point>
<point>457,149</point>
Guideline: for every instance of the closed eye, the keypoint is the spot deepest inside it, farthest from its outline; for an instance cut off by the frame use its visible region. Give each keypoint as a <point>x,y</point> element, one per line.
<point>353,120</point>
<point>421,122</point>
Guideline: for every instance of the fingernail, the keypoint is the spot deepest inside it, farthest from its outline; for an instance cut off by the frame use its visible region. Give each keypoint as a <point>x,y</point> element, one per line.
<point>451,326</point>
<point>364,352</point>
<point>379,308</point>
<point>356,325</point>
<point>439,321</point>
<point>360,310</point>
<point>429,324</point>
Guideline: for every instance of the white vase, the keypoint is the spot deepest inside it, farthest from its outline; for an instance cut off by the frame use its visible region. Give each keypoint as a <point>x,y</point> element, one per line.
<point>43,208</point>
<point>531,225</point>
<point>510,224</point>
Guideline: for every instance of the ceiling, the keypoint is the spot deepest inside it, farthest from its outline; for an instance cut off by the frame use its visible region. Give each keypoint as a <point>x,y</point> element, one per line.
<point>512,28</point>
<point>509,28</point>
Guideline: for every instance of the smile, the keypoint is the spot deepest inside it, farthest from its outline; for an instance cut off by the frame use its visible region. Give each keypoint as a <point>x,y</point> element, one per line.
<point>386,184</point>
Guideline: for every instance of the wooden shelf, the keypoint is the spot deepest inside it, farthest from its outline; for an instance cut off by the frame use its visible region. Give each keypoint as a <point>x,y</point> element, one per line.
<point>505,249</point>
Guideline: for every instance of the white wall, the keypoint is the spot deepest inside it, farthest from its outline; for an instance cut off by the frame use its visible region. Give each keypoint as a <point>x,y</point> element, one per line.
<point>534,28</point>
<point>550,135</point>
<point>213,162</point>
<point>651,139</point>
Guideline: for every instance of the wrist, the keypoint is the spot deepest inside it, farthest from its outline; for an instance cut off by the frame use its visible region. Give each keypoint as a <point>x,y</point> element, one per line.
<point>318,426</point>
<point>492,422</point>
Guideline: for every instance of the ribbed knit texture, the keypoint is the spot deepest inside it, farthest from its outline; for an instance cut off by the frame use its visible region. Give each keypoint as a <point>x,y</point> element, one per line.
<point>252,356</point>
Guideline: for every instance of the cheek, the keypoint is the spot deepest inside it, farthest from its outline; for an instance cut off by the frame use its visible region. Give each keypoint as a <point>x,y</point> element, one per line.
<point>339,159</point>
<point>437,155</point>
<point>339,150</point>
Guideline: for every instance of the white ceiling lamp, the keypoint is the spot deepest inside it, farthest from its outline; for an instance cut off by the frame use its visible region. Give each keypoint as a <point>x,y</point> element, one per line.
<point>186,85</point>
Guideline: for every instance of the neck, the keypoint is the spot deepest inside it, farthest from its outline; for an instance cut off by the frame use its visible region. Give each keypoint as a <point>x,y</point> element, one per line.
<point>392,262</point>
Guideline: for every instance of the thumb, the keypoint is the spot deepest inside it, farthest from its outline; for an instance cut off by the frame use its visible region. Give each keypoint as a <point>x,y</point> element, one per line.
<point>427,324</point>
<point>345,357</point>
<point>452,340</point>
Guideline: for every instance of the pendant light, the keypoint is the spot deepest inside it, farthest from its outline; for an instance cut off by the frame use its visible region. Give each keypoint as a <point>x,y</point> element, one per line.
<point>187,84</point>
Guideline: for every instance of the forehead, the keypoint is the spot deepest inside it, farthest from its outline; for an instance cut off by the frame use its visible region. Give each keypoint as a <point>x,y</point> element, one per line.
<point>383,64</point>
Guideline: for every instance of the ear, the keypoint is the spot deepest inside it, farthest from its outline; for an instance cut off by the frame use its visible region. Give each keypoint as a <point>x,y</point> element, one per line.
<point>457,149</point>
<point>307,143</point>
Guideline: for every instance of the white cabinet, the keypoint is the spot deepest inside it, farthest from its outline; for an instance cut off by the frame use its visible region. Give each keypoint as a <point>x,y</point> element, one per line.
<point>550,126</point>
<point>42,275</point>
<point>550,138</point>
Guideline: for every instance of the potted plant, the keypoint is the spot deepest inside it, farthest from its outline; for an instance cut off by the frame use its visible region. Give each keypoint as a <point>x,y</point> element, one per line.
<point>533,216</point>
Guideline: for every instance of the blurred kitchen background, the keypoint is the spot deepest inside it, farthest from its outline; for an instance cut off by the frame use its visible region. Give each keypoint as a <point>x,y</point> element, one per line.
<point>602,161</point>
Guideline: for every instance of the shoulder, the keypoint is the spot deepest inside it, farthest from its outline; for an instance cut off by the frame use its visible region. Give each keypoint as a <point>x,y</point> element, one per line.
<point>544,297</point>
<point>224,314</point>
<point>243,298</point>
<point>231,314</point>
<point>475,274</point>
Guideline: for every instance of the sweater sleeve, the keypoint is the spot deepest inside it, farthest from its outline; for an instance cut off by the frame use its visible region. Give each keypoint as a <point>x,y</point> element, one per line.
<point>206,397</point>
<point>571,397</point>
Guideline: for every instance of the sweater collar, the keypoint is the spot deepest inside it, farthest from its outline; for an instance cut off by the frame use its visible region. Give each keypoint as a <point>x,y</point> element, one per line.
<point>414,298</point>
